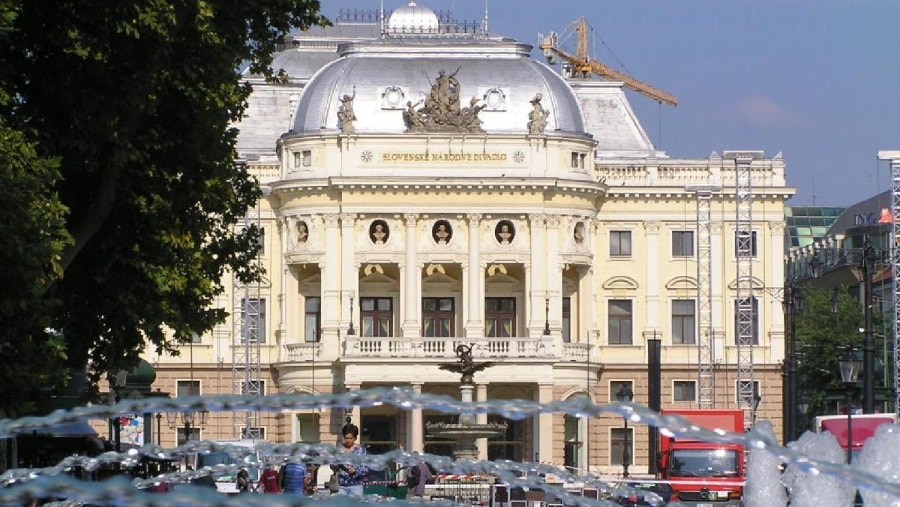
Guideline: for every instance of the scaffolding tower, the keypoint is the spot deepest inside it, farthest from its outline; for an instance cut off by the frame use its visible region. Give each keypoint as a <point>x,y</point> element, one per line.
<point>706,384</point>
<point>746,302</point>
<point>245,350</point>
<point>894,157</point>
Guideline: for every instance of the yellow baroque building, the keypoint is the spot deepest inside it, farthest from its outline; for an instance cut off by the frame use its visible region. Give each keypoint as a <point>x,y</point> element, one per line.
<point>427,185</point>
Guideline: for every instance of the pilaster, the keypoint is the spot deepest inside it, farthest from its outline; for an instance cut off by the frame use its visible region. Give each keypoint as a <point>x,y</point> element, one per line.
<point>474,286</point>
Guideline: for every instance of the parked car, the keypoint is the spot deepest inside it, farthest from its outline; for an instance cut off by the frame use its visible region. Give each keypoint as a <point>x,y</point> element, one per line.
<point>641,493</point>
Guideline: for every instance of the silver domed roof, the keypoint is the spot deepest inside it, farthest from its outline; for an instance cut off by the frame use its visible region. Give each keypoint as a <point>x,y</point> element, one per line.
<point>413,18</point>
<point>385,77</point>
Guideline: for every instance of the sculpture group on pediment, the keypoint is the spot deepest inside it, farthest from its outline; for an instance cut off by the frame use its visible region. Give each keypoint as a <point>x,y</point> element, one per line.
<point>441,111</point>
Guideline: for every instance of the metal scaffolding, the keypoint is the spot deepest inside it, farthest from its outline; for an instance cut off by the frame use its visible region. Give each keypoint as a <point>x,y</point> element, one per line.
<point>894,157</point>
<point>248,310</point>
<point>706,341</point>
<point>746,303</point>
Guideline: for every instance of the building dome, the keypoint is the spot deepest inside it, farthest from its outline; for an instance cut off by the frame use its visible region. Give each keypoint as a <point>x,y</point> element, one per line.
<point>413,18</point>
<point>386,78</point>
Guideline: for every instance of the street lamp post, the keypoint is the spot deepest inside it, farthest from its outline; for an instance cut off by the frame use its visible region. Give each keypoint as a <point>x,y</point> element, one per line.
<point>849,365</point>
<point>118,386</point>
<point>625,394</point>
<point>159,428</point>
<point>188,420</point>
<point>793,304</point>
<point>351,331</point>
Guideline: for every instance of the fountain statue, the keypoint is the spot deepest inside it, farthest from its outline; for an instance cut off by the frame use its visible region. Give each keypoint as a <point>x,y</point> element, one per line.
<point>466,430</point>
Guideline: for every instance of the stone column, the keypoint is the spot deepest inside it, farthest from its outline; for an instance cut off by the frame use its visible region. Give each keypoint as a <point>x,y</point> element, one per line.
<point>543,427</point>
<point>474,290</point>
<point>355,416</point>
<point>651,231</point>
<point>481,418</point>
<point>536,273</point>
<point>349,274</point>
<point>415,441</point>
<point>331,294</point>
<point>411,327</point>
<point>554,271</point>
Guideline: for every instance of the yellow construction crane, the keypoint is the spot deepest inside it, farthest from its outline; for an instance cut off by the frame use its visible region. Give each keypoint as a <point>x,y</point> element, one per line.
<point>582,65</point>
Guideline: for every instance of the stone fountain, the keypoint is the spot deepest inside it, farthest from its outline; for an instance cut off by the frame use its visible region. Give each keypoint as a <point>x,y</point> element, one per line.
<point>465,431</point>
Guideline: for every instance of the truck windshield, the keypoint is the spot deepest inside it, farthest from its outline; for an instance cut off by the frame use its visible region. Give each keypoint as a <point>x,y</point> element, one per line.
<point>703,463</point>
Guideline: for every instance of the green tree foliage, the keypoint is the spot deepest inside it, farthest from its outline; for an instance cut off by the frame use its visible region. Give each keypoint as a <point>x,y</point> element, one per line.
<point>822,337</point>
<point>119,115</point>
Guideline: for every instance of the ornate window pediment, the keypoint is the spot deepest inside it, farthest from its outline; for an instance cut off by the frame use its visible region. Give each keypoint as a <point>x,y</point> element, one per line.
<point>682,283</point>
<point>620,282</point>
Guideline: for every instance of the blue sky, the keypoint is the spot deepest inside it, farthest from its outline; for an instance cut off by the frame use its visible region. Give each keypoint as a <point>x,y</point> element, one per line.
<point>818,80</point>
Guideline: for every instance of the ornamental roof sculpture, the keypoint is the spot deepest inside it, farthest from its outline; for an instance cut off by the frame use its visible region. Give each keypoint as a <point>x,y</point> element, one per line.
<point>441,111</point>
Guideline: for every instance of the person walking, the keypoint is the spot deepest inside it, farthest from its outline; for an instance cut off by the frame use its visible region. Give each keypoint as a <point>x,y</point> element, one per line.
<point>268,481</point>
<point>351,476</point>
<point>293,478</point>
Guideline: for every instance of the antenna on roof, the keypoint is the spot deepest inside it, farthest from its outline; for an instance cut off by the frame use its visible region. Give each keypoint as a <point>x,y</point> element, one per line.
<point>484,23</point>
<point>381,19</point>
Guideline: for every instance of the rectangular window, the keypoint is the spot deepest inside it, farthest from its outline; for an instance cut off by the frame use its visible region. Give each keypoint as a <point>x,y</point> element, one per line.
<point>196,338</point>
<point>617,446</point>
<point>303,158</point>
<point>379,433</point>
<point>500,317</point>
<point>620,243</point>
<point>575,160</point>
<point>620,320</point>
<point>737,391</point>
<point>261,240</point>
<point>253,388</point>
<point>187,388</point>
<point>581,157</point>
<point>567,319</point>
<point>684,390</point>
<point>438,317</point>
<point>307,429</point>
<point>682,243</point>
<point>377,316</point>
<point>746,321</point>
<point>253,320</point>
<point>573,443</point>
<point>745,244</point>
<point>253,433</point>
<point>684,322</point>
<point>617,385</point>
<point>312,323</point>
<point>508,445</point>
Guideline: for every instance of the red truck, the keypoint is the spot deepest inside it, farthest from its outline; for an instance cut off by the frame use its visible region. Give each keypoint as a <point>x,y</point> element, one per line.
<point>863,426</point>
<point>704,474</point>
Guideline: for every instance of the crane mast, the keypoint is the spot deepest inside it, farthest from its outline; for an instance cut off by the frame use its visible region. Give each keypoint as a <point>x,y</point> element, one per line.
<point>584,65</point>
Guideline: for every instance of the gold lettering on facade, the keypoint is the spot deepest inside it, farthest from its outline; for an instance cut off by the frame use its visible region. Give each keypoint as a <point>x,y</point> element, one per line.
<point>442,157</point>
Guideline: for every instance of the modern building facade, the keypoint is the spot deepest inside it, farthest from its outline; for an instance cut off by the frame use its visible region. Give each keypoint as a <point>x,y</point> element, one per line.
<point>428,184</point>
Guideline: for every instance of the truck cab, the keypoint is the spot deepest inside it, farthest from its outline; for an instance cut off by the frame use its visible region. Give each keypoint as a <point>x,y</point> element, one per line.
<point>862,427</point>
<point>704,474</point>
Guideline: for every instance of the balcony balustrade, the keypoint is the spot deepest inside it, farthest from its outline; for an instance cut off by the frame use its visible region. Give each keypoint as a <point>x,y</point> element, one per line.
<point>494,349</point>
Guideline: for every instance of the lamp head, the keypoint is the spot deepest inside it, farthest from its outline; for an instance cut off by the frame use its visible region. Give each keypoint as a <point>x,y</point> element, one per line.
<point>849,365</point>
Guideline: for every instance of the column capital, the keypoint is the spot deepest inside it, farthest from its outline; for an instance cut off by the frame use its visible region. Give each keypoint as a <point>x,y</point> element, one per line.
<point>552,221</point>
<point>331,219</point>
<point>347,219</point>
<point>410,219</point>
<point>651,226</point>
<point>473,218</point>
